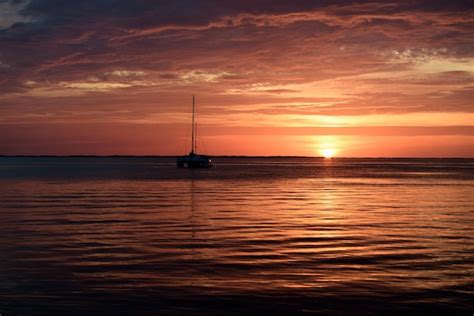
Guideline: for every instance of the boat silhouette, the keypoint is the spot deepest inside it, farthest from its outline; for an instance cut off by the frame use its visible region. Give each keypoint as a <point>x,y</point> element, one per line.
<point>193,159</point>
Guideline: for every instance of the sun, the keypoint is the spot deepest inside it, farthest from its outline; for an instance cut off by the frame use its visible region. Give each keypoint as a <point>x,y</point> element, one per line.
<point>326,146</point>
<point>328,152</point>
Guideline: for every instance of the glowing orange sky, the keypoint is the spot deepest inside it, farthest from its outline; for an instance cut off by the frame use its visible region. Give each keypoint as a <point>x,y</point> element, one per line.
<point>271,77</point>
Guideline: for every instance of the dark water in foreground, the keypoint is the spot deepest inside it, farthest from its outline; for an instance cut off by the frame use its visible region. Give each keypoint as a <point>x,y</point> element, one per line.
<point>136,236</point>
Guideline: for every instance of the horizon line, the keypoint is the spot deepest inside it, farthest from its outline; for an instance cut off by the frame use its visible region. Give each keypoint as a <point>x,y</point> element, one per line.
<point>224,156</point>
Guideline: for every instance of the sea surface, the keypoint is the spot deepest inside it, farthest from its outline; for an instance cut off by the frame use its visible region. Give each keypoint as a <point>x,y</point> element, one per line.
<point>263,236</point>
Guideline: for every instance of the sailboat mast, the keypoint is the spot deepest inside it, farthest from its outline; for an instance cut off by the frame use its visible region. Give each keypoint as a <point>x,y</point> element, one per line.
<point>192,140</point>
<point>196,137</point>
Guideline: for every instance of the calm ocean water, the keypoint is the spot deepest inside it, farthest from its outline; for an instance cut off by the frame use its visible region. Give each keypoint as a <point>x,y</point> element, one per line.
<point>137,236</point>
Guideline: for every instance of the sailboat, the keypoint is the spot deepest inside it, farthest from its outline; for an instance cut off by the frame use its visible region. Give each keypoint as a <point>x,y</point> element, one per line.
<point>193,159</point>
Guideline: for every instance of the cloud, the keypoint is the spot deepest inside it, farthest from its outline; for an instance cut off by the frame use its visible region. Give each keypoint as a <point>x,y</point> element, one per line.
<point>10,13</point>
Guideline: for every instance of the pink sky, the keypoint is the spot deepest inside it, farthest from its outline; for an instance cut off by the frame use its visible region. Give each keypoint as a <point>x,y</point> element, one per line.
<point>392,79</point>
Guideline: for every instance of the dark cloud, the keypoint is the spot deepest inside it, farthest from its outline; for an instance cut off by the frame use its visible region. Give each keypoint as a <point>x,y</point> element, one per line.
<point>94,36</point>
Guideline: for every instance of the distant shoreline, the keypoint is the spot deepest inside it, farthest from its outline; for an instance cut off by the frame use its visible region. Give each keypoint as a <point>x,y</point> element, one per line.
<point>146,156</point>
<point>222,156</point>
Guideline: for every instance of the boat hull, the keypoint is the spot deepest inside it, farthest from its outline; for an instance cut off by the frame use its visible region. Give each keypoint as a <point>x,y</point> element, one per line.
<point>194,161</point>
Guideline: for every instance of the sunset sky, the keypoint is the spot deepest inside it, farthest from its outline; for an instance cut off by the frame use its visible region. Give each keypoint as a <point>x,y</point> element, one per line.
<point>271,77</point>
